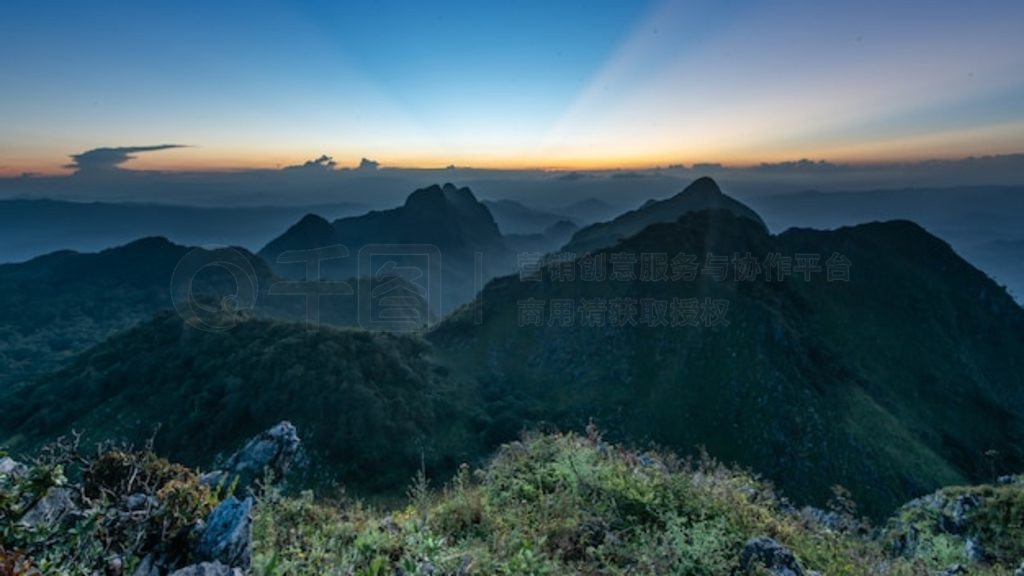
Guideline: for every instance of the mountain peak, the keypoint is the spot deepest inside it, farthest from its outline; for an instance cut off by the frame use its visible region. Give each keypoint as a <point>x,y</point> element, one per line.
<point>432,195</point>
<point>311,220</point>
<point>147,246</point>
<point>436,196</point>
<point>313,226</point>
<point>704,187</point>
<point>702,194</point>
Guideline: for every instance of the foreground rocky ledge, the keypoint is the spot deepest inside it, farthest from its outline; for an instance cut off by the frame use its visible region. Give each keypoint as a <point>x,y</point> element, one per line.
<point>550,504</point>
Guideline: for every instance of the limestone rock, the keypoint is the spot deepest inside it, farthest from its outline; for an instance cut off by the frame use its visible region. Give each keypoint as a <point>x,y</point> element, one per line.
<point>765,553</point>
<point>227,536</point>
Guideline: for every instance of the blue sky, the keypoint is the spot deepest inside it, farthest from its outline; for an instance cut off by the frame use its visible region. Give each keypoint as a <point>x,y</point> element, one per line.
<point>525,84</point>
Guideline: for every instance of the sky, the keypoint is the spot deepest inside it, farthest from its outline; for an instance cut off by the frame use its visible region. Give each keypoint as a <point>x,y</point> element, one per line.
<point>187,86</point>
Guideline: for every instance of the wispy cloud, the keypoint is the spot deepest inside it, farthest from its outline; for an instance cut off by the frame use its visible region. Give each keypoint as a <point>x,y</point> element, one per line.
<point>105,159</point>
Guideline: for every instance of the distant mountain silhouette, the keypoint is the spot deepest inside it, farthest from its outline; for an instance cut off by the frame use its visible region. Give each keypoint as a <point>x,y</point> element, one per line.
<point>57,305</point>
<point>517,218</point>
<point>896,379</point>
<point>30,228</point>
<point>702,194</point>
<point>373,405</point>
<point>590,210</point>
<point>981,222</point>
<point>547,241</point>
<point>447,218</point>
<point>893,383</point>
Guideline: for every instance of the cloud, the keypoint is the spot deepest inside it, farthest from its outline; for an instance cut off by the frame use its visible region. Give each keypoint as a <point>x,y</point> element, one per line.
<point>366,164</point>
<point>571,176</point>
<point>802,165</point>
<point>324,162</point>
<point>106,159</point>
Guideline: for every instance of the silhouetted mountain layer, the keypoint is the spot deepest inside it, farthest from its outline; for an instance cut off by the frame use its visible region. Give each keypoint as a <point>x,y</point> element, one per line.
<point>57,305</point>
<point>547,241</point>
<point>373,406</point>
<point>516,218</point>
<point>444,219</point>
<point>981,222</point>
<point>702,194</point>
<point>30,228</point>
<point>893,383</point>
<point>872,356</point>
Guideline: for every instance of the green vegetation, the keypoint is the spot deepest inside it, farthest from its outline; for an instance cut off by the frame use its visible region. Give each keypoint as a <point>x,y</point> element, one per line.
<point>567,504</point>
<point>371,406</point>
<point>125,502</point>
<point>547,504</point>
<point>938,524</point>
<point>59,305</point>
<point>894,384</point>
<point>903,380</point>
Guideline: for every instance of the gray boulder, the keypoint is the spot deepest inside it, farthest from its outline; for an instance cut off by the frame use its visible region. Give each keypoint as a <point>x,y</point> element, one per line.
<point>52,508</point>
<point>271,451</point>
<point>227,536</point>
<point>137,502</point>
<point>207,569</point>
<point>955,521</point>
<point>11,467</point>
<point>829,519</point>
<point>767,554</point>
<point>1019,571</point>
<point>147,567</point>
<point>974,552</point>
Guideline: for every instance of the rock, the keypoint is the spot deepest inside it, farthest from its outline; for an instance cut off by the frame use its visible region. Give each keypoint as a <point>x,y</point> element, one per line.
<point>272,450</point>
<point>954,517</point>
<point>828,519</point>
<point>11,467</point>
<point>207,569</point>
<point>906,543</point>
<point>1019,571</point>
<point>766,553</point>
<point>52,508</point>
<point>228,534</point>
<point>136,502</point>
<point>147,567</point>
<point>215,479</point>
<point>1010,480</point>
<point>974,552</point>
<point>952,512</point>
<point>962,506</point>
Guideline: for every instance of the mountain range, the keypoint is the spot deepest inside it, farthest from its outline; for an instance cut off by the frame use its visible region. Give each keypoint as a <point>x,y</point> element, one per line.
<point>439,229</point>
<point>702,194</point>
<point>892,383</point>
<point>59,305</point>
<point>871,355</point>
<point>30,228</point>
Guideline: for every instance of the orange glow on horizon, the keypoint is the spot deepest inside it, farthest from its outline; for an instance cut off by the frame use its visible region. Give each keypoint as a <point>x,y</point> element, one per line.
<point>903,150</point>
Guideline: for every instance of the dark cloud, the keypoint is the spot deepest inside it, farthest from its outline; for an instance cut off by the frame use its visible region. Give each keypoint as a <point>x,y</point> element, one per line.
<point>324,162</point>
<point>106,159</point>
<point>802,165</point>
<point>367,164</point>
